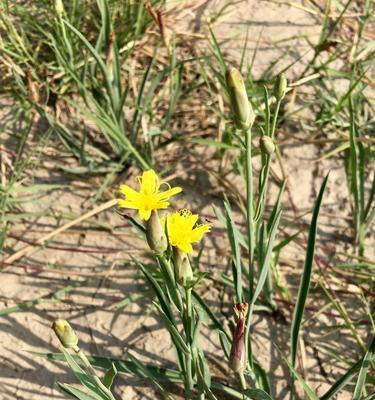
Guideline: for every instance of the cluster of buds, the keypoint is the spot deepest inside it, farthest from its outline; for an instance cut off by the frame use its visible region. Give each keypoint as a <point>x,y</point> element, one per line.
<point>242,110</point>
<point>237,360</point>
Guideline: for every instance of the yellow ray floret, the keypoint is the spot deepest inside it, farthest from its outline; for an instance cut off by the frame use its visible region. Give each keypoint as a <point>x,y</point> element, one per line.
<point>149,196</point>
<point>181,230</point>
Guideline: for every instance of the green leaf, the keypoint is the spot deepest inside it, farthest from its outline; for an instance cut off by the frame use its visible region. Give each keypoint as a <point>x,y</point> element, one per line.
<point>342,382</point>
<point>110,376</point>
<point>177,339</point>
<point>257,394</point>
<point>122,365</point>
<point>306,276</point>
<point>83,377</point>
<point>76,393</point>
<point>144,371</point>
<point>307,389</point>
<point>235,245</point>
<point>361,381</point>
<point>159,294</point>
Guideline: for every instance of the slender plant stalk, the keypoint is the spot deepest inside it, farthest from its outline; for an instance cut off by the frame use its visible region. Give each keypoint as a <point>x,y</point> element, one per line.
<point>92,372</point>
<point>250,211</point>
<point>251,238</point>
<point>188,325</point>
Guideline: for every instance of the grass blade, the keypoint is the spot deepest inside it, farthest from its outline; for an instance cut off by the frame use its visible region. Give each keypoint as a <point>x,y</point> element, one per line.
<point>306,276</point>
<point>361,381</point>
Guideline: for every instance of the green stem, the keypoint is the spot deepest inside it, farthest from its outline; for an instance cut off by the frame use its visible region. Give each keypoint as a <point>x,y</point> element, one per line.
<point>189,382</point>
<point>250,236</point>
<point>92,372</point>
<point>170,281</point>
<point>243,381</point>
<point>250,211</point>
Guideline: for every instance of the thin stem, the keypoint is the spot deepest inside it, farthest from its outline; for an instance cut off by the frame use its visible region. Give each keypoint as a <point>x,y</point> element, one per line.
<point>92,372</point>
<point>189,383</point>
<point>250,236</point>
<point>243,381</point>
<point>250,211</point>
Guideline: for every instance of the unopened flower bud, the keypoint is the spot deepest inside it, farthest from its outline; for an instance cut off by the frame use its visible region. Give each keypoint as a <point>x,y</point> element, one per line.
<point>281,85</point>
<point>65,333</point>
<point>243,112</point>
<point>237,360</point>
<point>33,87</point>
<point>109,55</point>
<point>267,145</point>
<point>155,234</point>
<point>184,272</point>
<point>59,8</point>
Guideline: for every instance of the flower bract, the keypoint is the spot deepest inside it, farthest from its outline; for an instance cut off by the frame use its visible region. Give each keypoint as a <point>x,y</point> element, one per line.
<point>183,231</point>
<point>149,197</point>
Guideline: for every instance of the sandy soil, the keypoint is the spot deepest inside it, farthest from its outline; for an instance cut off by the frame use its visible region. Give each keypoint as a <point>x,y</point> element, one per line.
<point>102,270</point>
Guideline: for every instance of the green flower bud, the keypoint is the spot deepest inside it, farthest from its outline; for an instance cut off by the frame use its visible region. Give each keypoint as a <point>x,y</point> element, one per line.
<point>155,234</point>
<point>243,112</point>
<point>281,85</point>
<point>184,273</point>
<point>109,55</point>
<point>267,145</point>
<point>237,359</point>
<point>59,8</point>
<point>65,333</point>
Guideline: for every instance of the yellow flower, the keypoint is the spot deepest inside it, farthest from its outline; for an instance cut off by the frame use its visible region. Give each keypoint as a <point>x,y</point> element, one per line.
<point>149,196</point>
<point>181,230</point>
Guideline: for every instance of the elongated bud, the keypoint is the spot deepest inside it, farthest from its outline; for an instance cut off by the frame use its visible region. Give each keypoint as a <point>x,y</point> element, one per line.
<point>155,234</point>
<point>237,360</point>
<point>243,112</point>
<point>65,333</point>
<point>281,85</point>
<point>59,8</point>
<point>267,145</point>
<point>109,55</point>
<point>33,87</point>
<point>184,273</point>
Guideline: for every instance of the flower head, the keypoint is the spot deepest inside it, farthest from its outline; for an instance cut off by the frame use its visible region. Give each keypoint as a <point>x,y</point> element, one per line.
<point>183,231</point>
<point>65,333</point>
<point>149,196</point>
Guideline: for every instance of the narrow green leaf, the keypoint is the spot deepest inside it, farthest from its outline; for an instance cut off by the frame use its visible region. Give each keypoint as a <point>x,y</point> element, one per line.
<point>77,393</point>
<point>306,276</point>
<point>110,376</point>
<point>307,389</point>
<point>83,377</point>
<point>177,339</point>
<point>361,381</point>
<point>343,381</point>
<point>257,394</point>
<point>235,245</point>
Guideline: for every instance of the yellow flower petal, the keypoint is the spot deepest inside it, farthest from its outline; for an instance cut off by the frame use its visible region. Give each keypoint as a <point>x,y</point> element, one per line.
<point>144,214</point>
<point>198,232</point>
<point>169,193</point>
<point>149,182</point>
<point>149,197</point>
<point>127,204</point>
<point>181,231</point>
